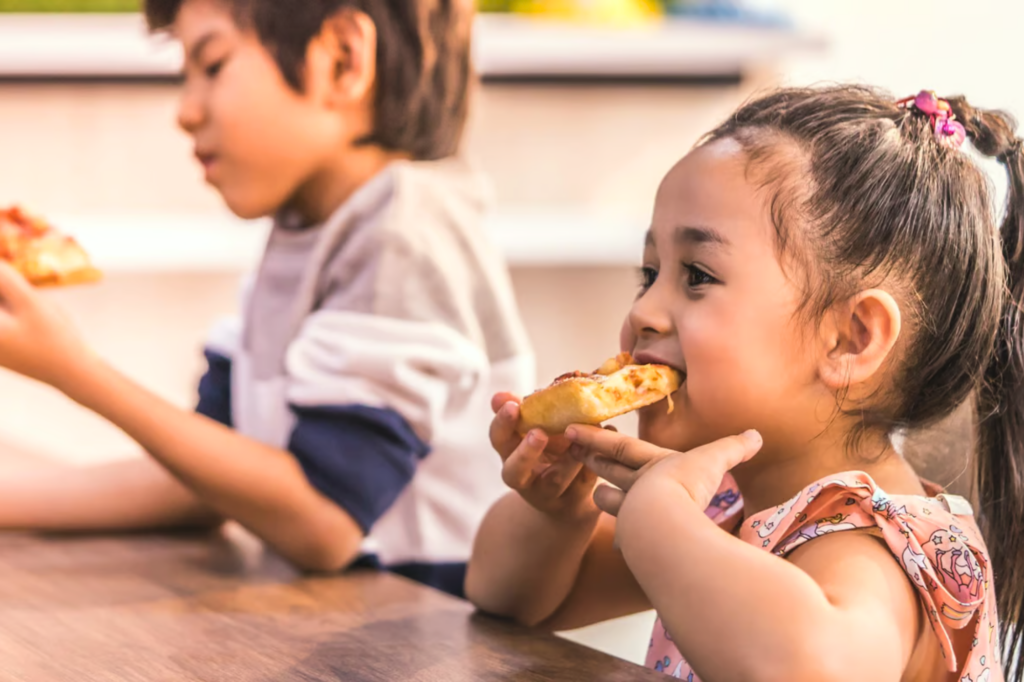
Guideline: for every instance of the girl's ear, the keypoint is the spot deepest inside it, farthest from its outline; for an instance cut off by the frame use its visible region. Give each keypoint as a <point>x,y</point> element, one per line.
<point>858,336</point>
<point>342,60</point>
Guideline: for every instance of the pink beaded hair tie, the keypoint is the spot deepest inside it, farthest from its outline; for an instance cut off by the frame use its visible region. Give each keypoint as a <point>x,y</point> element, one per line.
<point>948,131</point>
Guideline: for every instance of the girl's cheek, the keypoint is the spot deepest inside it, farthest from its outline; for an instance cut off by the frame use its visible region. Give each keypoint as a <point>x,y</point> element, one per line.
<point>627,339</point>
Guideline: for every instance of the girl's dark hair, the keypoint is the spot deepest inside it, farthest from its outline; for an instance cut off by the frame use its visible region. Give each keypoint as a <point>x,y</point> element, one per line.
<point>424,74</point>
<point>879,199</point>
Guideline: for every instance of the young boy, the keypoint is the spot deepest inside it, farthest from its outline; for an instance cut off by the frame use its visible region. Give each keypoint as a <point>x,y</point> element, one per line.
<point>341,419</point>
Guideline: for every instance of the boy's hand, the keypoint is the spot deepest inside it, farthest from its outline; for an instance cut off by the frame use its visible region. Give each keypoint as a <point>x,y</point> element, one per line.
<point>538,468</point>
<point>36,339</point>
<point>626,462</point>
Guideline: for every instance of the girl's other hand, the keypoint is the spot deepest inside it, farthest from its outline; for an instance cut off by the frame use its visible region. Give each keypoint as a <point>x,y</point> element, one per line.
<point>538,468</point>
<point>624,461</point>
<point>36,339</point>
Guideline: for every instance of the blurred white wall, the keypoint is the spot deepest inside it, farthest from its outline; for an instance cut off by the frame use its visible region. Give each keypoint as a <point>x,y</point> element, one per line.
<point>970,48</point>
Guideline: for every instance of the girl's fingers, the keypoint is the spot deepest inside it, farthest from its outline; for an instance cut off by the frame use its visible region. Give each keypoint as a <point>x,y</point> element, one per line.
<point>504,437</point>
<point>617,474</point>
<point>559,476</point>
<point>558,445</point>
<point>519,470</point>
<point>731,451</point>
<point>583,483</point>
<point>612,445</point>
<point>609,499</point>
<point>499,400</point>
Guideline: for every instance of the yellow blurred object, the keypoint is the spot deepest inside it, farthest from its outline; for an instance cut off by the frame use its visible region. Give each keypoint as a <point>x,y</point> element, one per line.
<point>615,12</point>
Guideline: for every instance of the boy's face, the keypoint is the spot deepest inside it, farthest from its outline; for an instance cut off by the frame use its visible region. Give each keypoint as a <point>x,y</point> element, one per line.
<point>258,140</point>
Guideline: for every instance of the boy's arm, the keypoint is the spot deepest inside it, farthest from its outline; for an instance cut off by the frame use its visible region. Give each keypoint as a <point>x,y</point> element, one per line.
<point>261,487</point>
<point>131,495</point>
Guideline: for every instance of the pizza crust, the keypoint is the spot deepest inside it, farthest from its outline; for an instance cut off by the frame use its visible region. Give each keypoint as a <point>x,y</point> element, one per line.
<point>617,388</point>
<point>44,256</point>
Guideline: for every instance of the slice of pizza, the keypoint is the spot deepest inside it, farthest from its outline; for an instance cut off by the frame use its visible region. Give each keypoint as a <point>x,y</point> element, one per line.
<point>43,255</point>
<point>618,387</point>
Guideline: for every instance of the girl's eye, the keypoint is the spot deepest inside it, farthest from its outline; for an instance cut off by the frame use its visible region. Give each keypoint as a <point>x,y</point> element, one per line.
<point>648,276</point>
<point>697,277</point>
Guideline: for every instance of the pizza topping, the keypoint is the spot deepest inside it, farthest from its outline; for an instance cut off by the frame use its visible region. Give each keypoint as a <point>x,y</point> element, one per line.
<point>43,255</point>
<point>620,361</point>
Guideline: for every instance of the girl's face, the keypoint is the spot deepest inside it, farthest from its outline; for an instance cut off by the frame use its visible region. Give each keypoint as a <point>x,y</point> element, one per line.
<point>716,304</point>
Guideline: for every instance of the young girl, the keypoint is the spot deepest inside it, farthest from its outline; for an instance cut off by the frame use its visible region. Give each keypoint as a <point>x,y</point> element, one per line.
<point>824,268</point>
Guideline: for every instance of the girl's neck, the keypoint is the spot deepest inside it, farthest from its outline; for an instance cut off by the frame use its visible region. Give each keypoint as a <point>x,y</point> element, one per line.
<point>775,475</point>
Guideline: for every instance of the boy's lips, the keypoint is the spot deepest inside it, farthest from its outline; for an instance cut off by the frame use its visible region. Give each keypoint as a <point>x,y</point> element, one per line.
<point>207,159</point>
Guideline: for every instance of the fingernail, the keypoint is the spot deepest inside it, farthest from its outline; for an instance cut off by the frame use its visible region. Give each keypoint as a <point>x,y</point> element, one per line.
<point>571,433</point>
<point>576,452</point>
<point>535,439</point>
<point>509,408</point>
<point>753,437</point>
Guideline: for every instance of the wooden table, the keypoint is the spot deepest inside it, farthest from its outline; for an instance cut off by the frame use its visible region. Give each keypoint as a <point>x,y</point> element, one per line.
<point>211,606</point>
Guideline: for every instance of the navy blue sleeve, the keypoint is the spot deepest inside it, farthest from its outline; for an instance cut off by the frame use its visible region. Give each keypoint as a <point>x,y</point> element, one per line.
<point>360,457</point>
<point>215,389</point>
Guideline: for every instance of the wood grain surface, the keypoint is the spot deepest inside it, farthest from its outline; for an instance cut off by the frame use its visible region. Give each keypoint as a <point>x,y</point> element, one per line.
<point>215,606</point>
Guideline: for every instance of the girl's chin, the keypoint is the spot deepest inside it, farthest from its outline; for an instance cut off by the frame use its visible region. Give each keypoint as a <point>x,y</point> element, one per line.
<point>657,427</point>
<point>672,431</point>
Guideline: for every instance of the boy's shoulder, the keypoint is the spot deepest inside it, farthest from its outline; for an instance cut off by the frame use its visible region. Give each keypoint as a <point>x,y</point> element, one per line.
<point>435,201</point>
<point>415,248</point>
<point>409,208</point>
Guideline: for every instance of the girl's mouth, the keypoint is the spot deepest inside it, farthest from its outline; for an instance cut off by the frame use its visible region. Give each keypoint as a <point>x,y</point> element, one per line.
<point>645,358</point>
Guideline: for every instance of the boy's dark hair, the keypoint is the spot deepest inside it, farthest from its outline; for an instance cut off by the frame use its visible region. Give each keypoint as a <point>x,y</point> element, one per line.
<point>423,60</point>
<point>878,198</point>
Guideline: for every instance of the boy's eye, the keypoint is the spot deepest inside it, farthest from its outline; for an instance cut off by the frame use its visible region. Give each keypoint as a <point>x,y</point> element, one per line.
<point>698,277</point>
<point>213,69</point>
<point>648,276</point>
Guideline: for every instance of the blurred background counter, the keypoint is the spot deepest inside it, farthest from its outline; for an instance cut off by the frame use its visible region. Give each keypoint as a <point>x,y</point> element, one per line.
<point>577,119</point>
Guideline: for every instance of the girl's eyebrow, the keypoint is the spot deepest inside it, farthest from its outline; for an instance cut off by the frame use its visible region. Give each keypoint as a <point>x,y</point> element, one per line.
<point>686,236</point>
<point>689,236</point>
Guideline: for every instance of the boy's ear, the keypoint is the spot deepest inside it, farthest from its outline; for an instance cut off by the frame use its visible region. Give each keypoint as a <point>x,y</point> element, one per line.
<point>344,56</point>
<point>858,336</point>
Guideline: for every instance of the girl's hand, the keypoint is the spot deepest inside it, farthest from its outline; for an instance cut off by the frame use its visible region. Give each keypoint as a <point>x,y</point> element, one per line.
<point>538,468</point>
<point>36,339</point>
<point>624,461</point>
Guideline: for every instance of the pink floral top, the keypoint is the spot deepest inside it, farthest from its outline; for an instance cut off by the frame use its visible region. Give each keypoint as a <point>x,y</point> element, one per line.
<point>935,540</point>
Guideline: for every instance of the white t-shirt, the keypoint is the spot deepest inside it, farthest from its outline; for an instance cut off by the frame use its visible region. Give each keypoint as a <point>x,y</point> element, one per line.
<point>369,347</point>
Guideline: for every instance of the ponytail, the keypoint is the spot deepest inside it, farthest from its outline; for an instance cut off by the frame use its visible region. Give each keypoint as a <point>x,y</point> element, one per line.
<point>999,471</point>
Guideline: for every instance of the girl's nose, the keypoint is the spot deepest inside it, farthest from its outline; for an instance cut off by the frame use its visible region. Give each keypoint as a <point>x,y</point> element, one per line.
<point>650,314</point>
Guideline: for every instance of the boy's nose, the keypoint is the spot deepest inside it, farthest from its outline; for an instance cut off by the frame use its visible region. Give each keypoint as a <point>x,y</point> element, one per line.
<point>190,113</point>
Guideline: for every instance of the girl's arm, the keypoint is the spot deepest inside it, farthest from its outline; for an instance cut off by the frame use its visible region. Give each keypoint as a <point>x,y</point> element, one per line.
<point>557,573</point>
<point>261,487</point>
<point>840,603</point>
<point>544,553</point>
<point>131,495</point>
